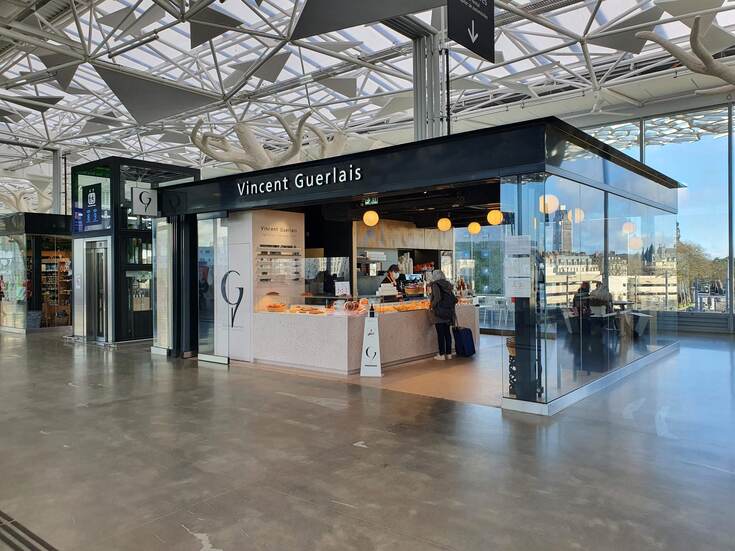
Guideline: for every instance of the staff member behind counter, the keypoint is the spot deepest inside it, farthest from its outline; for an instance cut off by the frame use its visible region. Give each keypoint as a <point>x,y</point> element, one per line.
<point>395,278</point>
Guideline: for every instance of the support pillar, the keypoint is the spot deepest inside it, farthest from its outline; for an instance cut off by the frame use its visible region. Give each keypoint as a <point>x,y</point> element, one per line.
<point>57,183</point>
<point>427,87</point>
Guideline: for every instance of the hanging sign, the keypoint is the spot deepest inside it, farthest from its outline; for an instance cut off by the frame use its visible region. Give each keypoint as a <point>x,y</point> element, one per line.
<point>472,24</point>
<point>370,365</point>
<point>145,202</point>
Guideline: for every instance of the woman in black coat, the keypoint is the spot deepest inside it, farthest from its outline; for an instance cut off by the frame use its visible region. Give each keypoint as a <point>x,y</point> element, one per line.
<point>443,302</point>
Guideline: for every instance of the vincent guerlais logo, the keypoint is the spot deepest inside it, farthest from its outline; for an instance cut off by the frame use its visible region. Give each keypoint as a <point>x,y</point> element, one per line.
<point>145,199</point>
<point>302,180</point>
<point>235,305</point>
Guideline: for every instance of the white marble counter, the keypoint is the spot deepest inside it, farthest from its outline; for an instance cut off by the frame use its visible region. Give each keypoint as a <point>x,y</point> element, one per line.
<point>332,343</point>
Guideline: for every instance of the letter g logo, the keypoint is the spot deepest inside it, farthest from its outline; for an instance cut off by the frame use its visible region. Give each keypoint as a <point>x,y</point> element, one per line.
<point>236,303</point>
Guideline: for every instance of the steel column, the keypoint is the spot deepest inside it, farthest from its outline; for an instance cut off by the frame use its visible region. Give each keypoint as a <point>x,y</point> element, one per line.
<point>56,183</point>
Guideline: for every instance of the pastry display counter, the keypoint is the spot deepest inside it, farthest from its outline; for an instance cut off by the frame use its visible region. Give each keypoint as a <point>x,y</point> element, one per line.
<point>331,341</point>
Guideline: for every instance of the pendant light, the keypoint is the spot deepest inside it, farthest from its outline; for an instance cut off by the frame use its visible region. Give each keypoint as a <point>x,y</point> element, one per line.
<point>635,243</point>
<point>495,217</point>
<point>576,216</point>
<point>548,204</point>
<point>371,218</point>
<point>629,227</point>
<point>474,228</point>
<point>444,224</point>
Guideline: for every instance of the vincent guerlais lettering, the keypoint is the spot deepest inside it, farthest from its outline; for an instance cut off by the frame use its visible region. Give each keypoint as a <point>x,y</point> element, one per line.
<point>300,181</point>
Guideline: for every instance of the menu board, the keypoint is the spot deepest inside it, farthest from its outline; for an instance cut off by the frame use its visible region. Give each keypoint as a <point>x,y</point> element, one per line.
<point>517,266</point>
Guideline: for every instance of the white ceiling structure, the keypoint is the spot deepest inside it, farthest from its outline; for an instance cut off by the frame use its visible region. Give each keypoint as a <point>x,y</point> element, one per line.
<point>131,77</point>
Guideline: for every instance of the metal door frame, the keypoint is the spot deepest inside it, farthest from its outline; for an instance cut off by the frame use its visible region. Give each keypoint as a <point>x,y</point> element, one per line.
<point>106,244</point>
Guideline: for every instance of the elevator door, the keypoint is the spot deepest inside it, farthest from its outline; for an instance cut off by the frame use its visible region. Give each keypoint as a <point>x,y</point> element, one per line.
<point>96,277</point>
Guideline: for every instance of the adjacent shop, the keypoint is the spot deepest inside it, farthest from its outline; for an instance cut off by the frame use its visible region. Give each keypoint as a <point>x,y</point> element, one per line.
<point>35,272</point>
<point>569,241</point>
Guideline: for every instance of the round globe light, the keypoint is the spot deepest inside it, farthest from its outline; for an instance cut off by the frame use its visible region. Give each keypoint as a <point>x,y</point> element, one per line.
<point>495,217</point>
<point>548,204</point>
<point>371,218</point>
<point>444,224</point>
<point>629,227</point>
<point>576,216</point>
<point>635,243</point>
<point>474,228</point>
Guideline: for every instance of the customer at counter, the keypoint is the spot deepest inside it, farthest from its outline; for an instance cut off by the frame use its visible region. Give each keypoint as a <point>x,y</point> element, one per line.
<point>443,303</point>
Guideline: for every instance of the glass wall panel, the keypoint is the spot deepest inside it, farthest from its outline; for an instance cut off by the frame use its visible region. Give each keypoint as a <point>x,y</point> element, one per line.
<point>577,300</point>
<point>162,284</point>
<point>693,148</point>
<point>624,136</point>
<point>479,261</point>
<point>212,264</point>
<point>592,278</point>
<point>13,281</point>
<point>525,354</point>
<point>570,157</point>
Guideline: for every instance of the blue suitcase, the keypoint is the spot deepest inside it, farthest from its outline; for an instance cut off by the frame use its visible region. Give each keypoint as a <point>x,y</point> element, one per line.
<point>464,343</point>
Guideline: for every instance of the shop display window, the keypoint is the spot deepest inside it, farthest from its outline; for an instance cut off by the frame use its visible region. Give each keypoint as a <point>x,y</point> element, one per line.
<point>13,281</point>
<point>55,283</point>
<point>35,281</point>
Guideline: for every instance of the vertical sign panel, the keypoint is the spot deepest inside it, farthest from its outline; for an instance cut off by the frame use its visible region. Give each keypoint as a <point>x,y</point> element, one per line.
<point>472,24</point>
<point>92,212</point>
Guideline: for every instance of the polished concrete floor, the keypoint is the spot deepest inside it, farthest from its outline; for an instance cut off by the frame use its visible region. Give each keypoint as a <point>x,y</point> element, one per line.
<point>108,450</point>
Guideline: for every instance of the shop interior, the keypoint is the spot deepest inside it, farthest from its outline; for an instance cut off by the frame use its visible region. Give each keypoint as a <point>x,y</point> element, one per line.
<point>338,267</point>
<point>35,273</point>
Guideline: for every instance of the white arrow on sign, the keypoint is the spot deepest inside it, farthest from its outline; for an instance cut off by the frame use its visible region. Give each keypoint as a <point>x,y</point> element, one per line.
<point>473,34</point>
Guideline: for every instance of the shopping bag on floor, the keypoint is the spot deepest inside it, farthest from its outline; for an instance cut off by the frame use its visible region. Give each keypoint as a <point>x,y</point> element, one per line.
<point>464,343</point>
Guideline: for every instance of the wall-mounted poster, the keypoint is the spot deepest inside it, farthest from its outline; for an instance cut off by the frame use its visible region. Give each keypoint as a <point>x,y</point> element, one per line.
<point>92,201</point>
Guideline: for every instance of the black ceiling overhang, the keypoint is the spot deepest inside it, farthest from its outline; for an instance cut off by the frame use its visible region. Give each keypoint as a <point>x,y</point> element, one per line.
<point>35,224</point>
<point>477,156</point>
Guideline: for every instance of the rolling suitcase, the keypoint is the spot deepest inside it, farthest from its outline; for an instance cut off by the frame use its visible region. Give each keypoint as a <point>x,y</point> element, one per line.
<point>463,342</point>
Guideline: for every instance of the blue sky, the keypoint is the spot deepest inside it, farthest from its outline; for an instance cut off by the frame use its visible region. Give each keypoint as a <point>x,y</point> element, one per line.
<point>702,167</point>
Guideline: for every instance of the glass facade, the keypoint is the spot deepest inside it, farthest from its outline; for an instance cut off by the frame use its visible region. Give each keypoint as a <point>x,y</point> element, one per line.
<point>35,281</point>
<point>592,280</point>
<point>693,148</point>
<point>163,280</point>
<point>212,264</point>
<point>13,281</point>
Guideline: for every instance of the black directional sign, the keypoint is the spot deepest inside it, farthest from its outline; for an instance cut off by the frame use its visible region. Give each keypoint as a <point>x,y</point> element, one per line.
<point>472,24</point>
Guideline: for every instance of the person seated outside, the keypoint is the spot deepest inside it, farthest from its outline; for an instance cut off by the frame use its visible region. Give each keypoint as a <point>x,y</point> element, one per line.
<point>601,296</point>
<point>581,304</point>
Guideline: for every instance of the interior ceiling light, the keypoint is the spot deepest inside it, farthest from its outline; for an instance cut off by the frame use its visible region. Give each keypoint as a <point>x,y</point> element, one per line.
<point>629,227</point>
<point>474,228</point>
<point>635,243</point>
<point>371,218</point>
<point>444,224</point>
<point>576,216</point>
<point>495,217</point>
<point>548,204</point>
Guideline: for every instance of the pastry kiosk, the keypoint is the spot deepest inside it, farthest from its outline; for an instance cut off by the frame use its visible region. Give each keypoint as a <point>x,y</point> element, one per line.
<point>281,266</point>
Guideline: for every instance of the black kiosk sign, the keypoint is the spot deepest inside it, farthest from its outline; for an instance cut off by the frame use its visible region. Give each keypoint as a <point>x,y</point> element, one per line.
<point>92,205</point>
<point>472,24</point>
